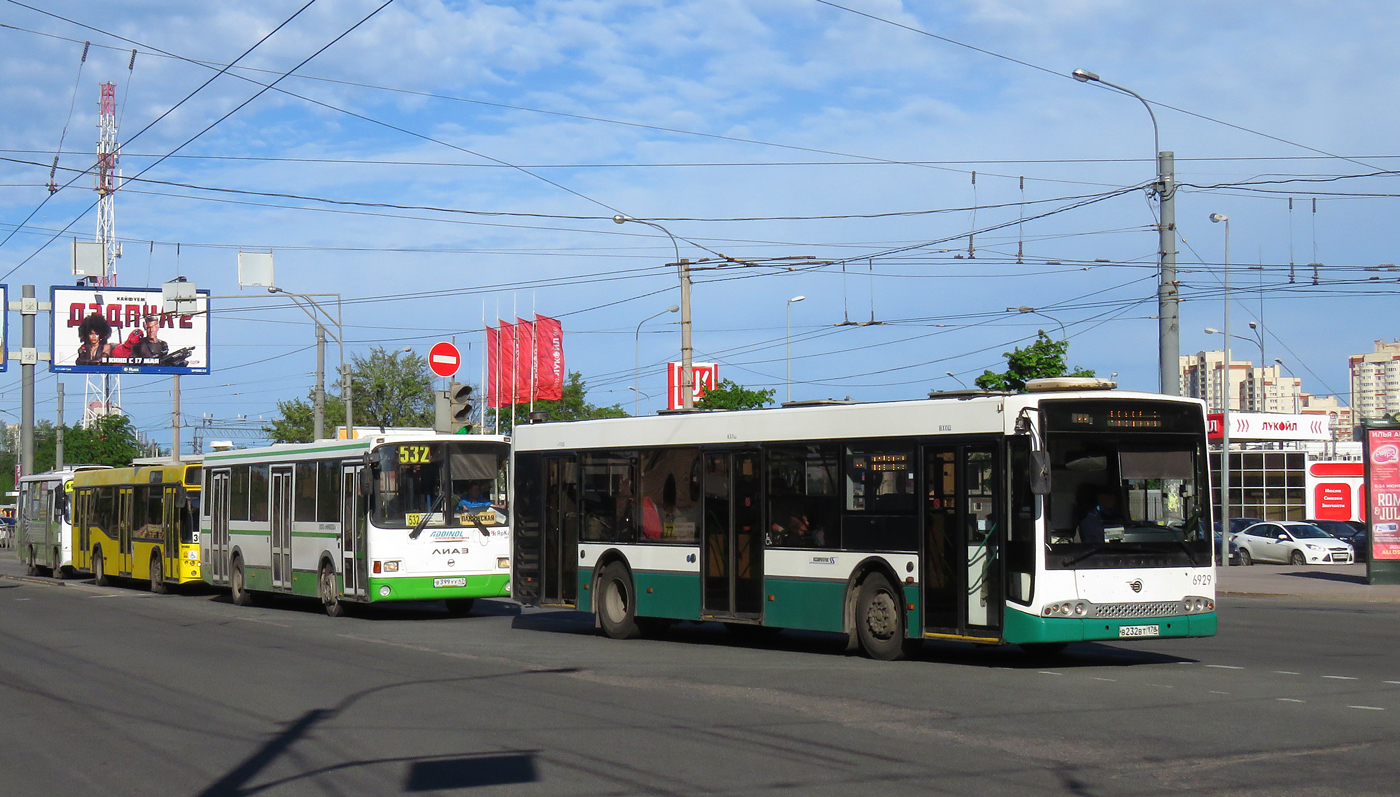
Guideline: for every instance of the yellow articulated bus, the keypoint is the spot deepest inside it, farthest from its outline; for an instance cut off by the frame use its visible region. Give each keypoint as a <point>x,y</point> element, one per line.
<point>138,522</point>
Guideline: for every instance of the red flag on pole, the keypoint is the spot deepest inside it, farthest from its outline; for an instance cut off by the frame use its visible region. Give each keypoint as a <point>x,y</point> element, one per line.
<point>509,372</point>
<point>493,366</point>
<point>525,375</point>
<point>549,359</point>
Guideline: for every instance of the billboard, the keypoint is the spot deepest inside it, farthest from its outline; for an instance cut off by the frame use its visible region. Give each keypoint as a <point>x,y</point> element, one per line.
<point>1336,490</point>
<point>1383,488</point>
<point>704,376</point>
<point>1269,426</point>
<point>123,331</point>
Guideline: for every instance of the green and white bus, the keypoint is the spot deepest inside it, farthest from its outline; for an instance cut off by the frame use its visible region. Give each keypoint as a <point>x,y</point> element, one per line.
<point>959,517</point>
<point>392,516</point>
<point>44,518</point>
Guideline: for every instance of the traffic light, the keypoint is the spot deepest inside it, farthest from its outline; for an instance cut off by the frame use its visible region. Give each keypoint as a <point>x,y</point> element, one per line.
<point>453,411</point>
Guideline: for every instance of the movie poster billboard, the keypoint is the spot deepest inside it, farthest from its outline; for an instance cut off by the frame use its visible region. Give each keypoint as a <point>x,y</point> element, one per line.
<point>1383,482</point>
<point>124,331</point>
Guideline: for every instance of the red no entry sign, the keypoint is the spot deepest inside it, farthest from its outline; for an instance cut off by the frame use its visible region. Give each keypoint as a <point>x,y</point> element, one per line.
<point>444,359</point>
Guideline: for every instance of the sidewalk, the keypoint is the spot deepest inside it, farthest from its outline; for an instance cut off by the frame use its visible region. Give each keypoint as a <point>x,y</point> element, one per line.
<point>1322,582</point>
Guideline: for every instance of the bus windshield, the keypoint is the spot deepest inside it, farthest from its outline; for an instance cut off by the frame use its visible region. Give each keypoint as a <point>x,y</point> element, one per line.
<point>1125,500</point>
<point>441,484</point>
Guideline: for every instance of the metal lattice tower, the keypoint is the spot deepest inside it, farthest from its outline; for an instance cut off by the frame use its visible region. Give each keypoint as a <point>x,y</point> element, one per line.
<point>104,394</point>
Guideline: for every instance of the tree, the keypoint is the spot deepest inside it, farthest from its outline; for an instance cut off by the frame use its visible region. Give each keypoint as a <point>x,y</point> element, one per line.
<point>111,440</point>
<point>390,388</point>
<point>730,396</point>
<point>574,406</point>
<point>1043,359</point>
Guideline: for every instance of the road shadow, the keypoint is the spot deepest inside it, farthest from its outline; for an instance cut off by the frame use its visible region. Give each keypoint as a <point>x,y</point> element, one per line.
<point>1325,575</point>
<point>401,611</point>
<point>468,772</point>
<point>689,632</point>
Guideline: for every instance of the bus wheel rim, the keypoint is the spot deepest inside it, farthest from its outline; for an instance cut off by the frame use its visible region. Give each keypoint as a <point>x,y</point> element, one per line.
<point>881,617</point>
<point>615,601</point>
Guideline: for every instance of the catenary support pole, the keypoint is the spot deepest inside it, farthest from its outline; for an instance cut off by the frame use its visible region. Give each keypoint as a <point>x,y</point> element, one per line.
<point>1168,297</point>
<point>318,417</point>
<point>58,433</point>
<point>175,421</point>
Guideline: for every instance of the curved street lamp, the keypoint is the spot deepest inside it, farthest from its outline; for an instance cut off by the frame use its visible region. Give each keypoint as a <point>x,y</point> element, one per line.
<point>687,353</point>
<point>790,302</point>
<point>1225,410</point>
<point>637,356</point>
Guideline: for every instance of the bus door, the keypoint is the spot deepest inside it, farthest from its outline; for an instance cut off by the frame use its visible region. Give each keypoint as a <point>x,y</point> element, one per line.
<point>280,515</point>
<point>126,498</point>
<point>559,559</point>
<point>731,553</point>
<point>170,561</point>
<point>962,541</point>
<point>218,564</point>
<point>354,568</point>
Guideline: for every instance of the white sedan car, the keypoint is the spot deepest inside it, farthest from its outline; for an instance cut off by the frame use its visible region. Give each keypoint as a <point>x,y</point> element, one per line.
<point>1291,542</point>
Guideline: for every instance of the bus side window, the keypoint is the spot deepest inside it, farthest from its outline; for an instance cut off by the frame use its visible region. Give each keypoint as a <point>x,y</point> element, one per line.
<point>238,493</point>
<point>328,491</point>
<point>804,509</point>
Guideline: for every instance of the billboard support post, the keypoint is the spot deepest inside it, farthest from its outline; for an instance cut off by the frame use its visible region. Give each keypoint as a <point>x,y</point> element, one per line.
<point>28,309</point>
<point>318,415</point>
<point>58,432</point>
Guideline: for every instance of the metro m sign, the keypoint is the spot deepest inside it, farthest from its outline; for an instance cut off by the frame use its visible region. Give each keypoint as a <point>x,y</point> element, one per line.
<point>706,377</point>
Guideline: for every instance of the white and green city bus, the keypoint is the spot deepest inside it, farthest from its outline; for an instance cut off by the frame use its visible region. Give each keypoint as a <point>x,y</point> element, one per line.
<point>44,518</point>
<point>392,516</point>
<point>951,518</point>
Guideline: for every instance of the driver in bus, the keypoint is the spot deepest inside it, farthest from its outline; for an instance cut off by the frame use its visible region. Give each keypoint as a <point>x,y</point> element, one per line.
<point>1104,514</point>
<point>474,499</point>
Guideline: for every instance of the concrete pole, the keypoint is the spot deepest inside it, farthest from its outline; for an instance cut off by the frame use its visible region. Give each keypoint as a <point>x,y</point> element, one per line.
<point>318,417</point>
<point>26,423</point>
<point>687,352</point>
<point>349,401</point>
<point>175,422</point>
<point>1168,300</point>
<point>58,433</point>
<point>1225,421</point>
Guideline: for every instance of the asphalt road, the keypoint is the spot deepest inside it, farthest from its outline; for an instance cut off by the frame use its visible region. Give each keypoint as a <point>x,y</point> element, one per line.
<point>118,691</point>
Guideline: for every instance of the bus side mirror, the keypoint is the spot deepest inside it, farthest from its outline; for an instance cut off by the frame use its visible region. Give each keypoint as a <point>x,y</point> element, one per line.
<point>182,497</point>
<point>1040,472</point>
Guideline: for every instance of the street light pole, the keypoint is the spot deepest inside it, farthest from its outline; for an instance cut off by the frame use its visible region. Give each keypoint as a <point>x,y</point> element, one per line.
<point>687,353</point>
<point>1168,311</point>
<point>637,359</point>
<point>346,391</point>
<point>1225,414</point>
<point>789,344</point>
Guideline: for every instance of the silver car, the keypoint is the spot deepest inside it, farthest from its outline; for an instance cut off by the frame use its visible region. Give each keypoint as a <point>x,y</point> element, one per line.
<point>1291,542</point>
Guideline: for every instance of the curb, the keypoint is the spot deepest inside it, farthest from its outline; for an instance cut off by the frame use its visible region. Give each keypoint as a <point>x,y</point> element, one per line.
<point>1315,597</point>
<point>33,580</point>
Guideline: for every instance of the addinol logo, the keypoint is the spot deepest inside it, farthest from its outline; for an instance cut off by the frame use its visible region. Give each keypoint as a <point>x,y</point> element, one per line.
<point>1136,584</point>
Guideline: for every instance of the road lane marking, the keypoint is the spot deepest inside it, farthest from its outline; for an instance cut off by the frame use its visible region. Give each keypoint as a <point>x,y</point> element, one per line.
<point>1284,672</point>
<point>1162,686</point>
<point>1224,667</point>
<point>1110,680</point>
<point>1291,700</point>
<point>1340,677</point>
<point>1368,708</point>
<point>1393,682</point>
<point>1047,672</point>
<point>1213,692</point>
<point>21,599</point>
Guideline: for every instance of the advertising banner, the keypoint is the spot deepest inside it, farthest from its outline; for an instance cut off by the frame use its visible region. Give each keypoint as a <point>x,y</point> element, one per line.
<point>123,331</point>
<point>525,362</point>
<point>1336,490</point>
<point>1269,426</point>
<point>1383,488</point>
<point>705,376</point>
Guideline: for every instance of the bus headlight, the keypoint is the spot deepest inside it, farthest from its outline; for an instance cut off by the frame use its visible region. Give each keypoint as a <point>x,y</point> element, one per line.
<point>391,566</point>
<point>1066,609</point>
<point>502,562</point>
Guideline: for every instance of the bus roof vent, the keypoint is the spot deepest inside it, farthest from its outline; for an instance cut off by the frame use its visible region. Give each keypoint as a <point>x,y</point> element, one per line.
<point>1069,383</point>
<point>826,402</point>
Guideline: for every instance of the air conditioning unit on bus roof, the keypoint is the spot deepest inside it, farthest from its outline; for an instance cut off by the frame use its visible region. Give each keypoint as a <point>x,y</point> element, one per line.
<point>1059,383</point>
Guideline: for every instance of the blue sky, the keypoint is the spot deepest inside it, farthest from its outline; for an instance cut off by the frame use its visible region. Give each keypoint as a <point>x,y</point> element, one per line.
<point>492,142</point>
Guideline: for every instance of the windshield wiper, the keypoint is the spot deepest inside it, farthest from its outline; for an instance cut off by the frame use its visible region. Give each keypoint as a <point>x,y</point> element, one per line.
<point>1106,548</point>
<point>423,521</point>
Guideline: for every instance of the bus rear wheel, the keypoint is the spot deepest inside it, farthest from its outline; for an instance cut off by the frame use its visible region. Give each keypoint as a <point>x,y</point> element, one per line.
<point>330,595</point>
<point>99,569</point>
<point>157,573</point>
<point>617,608</point>
<point>56,568</point>
<point>238,589</point>
<point>880,619</point>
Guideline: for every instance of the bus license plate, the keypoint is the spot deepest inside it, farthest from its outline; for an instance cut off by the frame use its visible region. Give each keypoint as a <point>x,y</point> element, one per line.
<point>1139,630</point>
<point>462,582</point>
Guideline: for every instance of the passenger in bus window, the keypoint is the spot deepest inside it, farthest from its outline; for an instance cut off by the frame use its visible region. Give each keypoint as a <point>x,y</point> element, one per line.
<point>1104,514</point>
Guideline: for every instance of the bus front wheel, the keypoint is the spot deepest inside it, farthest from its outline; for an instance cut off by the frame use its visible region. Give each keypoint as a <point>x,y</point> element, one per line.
<point>330,596</point>
<point>33,569</point>
<point>99,569</point>
<point>56,569</point>
<point>880,619</point>
<point>617,608</point>
<point>158,585</point>
<point>238,589</point>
